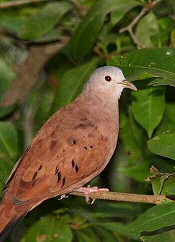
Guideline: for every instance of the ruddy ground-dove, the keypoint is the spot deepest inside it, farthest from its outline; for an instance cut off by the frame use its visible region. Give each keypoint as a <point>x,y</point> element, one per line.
<point>72,148</point>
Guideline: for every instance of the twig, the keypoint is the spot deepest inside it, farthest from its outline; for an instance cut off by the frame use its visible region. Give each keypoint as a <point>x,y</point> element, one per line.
<point>18,3</point>
<point>135,21</point>
<point>81,9</point>
<point>130,27</point>
<point>125,197</point>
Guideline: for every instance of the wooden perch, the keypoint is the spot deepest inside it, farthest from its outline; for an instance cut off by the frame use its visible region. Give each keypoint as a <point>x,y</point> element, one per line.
<point>125,197</point>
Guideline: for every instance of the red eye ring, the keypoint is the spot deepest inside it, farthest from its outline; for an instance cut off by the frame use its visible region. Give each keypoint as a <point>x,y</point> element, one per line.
<point>108,78</point>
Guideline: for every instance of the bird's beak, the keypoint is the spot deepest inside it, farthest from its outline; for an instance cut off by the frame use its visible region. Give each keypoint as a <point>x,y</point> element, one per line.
<point>125,83</point>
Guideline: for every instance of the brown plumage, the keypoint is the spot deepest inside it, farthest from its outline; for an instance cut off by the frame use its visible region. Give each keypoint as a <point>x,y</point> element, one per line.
<point>73,147</point>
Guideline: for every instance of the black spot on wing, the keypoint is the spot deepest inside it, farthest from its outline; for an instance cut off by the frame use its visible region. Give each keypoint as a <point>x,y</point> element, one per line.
<point>40,168</point>
<point>56,170</point>
<point>58,173</point>
<point>63,182</point>
<point>73,163</point>
<point>74,141</point>
<point>76,168</point>
<point>34,175</point>
<point>59,176</point>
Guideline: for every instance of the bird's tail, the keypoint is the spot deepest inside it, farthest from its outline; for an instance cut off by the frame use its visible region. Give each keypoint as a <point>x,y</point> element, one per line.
<point>8,229</point>
<point>9,218</point>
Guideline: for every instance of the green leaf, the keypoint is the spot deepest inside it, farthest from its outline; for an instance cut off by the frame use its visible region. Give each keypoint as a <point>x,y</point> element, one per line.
<point>13,24</point>
<point>87,234</point>
<point>173,37</point>
<point>117,15</point>
<point>6,77</point>
<point>49,229</point>
<point>157,63</point>
<point>168,236</point>
<point>45,19</point>
<point>8,140</point>
<point>163,183</point>
<point>6,166</point>
<point>88,29</point>
<point>48,37</point>
<point>131,136</point>
<point>71,84</point>
<point>146,28</point>
<point>9,150</point>
<point>166,25</point>
<point>42,102</point>
<point>163,145</point>
<point>138,172</point>
<point>167,125</point>
<point>155,218</point>
<point>118,228</point>
<point>5,111</point>
<point>148,107</point>
<point>111,210</point>
<point>106,235</point>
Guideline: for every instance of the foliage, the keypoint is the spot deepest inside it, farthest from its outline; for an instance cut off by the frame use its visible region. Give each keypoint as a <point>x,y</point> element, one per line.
<point>138,36</point>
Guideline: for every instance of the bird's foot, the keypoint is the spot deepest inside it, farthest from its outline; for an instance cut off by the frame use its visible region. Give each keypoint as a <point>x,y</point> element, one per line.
<point>63,196</point>
<point>88,190</point>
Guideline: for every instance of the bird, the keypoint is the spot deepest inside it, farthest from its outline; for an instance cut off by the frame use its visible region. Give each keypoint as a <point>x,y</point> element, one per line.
<point>71,148</point>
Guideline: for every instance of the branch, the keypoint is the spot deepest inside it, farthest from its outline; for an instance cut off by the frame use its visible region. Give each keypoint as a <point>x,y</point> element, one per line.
<point>29,73</point>
<point>135,21</point>
<point>18,3</point>
<point>28,124</point>
<point>125,197</point>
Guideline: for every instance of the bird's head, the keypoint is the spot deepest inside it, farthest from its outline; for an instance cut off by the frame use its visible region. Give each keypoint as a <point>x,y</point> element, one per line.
<point>110,79</point>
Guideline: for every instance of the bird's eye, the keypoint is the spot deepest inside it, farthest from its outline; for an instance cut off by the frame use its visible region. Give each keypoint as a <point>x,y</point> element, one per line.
<point>108,78</point>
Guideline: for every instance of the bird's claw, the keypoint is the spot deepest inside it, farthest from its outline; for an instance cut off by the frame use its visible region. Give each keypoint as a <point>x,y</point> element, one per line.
<point>88,190</point>
<point>63,196</point>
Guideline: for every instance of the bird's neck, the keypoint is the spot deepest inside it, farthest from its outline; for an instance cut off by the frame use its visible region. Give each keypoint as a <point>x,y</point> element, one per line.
<point>101,103</point>
<point>102,108</point>
<point>102,98</point>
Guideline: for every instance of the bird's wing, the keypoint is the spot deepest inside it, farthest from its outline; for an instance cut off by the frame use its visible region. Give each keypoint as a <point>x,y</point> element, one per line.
<point>68,151</point>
